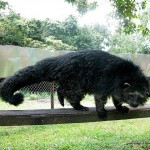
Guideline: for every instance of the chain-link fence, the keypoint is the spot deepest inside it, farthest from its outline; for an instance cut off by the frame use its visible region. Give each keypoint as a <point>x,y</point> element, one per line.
<point>44,92</point>
<point>42,95</point>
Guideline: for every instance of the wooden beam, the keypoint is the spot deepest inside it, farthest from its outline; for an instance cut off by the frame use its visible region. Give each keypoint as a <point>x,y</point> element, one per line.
<point>59,116</point>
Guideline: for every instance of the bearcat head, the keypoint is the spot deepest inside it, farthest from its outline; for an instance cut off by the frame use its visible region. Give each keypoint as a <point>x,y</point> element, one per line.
<point>133,86</point>
<point>135,93</point>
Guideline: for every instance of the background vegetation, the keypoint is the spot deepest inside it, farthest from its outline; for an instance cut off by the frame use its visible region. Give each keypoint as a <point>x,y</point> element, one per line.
<point>69,35</point>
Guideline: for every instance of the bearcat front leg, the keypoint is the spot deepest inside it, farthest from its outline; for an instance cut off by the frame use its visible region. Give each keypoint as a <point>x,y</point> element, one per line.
<point>100,102</point>
<point>119,107</point>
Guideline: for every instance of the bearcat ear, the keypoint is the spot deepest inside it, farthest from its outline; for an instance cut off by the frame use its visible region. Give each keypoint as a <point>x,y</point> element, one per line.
<point>126,85</point>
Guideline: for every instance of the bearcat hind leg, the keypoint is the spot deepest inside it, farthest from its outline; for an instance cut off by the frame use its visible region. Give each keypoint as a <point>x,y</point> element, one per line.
<point>60,95</point>
<point>74,98</point>
<point>78,106</point>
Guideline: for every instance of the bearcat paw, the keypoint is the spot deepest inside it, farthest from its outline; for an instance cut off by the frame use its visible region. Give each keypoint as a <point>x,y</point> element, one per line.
<point>81,108</point>
<point>123,109</point>
<point>102,114</point>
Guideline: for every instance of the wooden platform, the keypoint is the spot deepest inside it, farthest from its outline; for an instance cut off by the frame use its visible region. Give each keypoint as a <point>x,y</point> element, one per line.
<point>59,116</point>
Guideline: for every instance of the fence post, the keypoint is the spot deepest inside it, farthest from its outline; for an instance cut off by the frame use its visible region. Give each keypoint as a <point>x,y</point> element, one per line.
<point>52,90</point>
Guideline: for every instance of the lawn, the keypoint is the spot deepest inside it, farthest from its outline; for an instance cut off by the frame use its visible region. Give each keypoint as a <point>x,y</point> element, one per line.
<point>117,135</point>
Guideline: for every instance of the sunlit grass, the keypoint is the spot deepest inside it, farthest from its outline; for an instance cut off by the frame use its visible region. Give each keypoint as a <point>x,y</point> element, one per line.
<point>128,134</point>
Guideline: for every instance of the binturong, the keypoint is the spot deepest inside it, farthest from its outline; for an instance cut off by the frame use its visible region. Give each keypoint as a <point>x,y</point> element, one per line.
<point>96,73</point>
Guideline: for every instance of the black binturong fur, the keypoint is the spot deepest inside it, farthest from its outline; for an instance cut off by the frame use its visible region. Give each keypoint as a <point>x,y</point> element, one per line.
<point>79,73</point>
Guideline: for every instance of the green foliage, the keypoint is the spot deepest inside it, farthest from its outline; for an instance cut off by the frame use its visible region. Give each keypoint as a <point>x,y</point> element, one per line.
<point>87,37</point>
<point>92,37</point>
<point>34,43</point>
<point>3,4</point>
<point>69,35</point>
<point>138,42</point>
<point>83,6</point>
<point>16,30</point>
<point>71,26</point>
<point>35,29</point>
<point>12,29</point>
<point>58,44</point>
<point>144,27</point>
<point>127,11</point>
<point>133,43</point>
<point>66,35</point>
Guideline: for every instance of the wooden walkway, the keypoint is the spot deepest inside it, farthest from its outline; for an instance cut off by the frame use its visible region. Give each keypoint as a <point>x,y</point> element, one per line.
<point>59,116</point>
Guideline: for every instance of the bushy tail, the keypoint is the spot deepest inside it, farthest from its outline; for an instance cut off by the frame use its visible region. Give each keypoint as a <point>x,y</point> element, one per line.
<point>22,78</point>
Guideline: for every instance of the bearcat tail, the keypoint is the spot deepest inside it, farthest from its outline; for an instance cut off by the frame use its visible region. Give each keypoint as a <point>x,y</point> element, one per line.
<point>16,99</point>
<point>22,78</point>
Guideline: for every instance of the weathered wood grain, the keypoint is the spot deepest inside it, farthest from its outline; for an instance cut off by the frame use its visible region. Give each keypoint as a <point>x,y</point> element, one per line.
<point>60,116</point>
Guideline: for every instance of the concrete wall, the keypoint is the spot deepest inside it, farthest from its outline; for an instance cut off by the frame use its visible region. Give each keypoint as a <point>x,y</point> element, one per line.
<point>13,58</point>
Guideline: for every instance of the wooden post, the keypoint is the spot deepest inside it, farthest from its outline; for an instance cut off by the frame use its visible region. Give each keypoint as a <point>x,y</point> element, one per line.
<point>52,90</point>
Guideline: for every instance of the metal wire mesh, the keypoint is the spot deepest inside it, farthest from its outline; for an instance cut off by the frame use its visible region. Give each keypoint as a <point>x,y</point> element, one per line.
<point>43,92</point>
<point>41,87</point>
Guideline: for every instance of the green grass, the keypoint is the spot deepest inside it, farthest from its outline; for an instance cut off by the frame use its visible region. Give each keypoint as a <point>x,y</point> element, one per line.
<point>113,135</point>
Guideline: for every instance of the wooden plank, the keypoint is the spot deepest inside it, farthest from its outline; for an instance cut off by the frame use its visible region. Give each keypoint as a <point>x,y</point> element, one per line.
<point>59,116</point>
